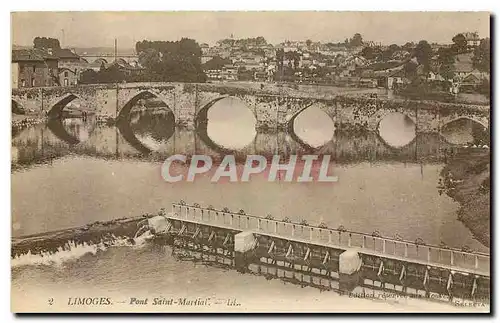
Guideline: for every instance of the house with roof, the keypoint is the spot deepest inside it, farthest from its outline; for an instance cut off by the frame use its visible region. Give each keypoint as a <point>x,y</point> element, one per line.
<point>397,78</point>
<point>33,68</point>
<point>463,65</point>
<point>472,39</point>
<point>68,77</point>
<point>69,61</point>
<point>229,73</point>
<point>126,68</point>
<point>431,77</point>
<point>204,48</point>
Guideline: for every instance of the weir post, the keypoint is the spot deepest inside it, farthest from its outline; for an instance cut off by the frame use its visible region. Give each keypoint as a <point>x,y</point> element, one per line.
<point>243,245</point>
<point>349,274</point>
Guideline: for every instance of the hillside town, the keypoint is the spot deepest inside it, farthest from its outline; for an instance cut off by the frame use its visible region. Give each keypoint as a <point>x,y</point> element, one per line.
<point>460,66</point>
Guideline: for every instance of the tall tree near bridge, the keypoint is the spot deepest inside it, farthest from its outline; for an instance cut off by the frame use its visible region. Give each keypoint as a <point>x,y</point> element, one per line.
<point>356,40</point>
<point>423,53</point>
<point>172,61</point>
<point>481,58</point>
<point>459,44</point>
<point>446,60</point>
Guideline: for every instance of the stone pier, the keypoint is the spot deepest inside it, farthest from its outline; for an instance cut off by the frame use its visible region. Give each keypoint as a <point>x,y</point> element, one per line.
<point>349,266</point>
<point>243,245</point>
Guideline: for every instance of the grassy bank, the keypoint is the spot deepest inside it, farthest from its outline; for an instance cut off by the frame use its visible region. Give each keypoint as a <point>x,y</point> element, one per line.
<point>466,179</point>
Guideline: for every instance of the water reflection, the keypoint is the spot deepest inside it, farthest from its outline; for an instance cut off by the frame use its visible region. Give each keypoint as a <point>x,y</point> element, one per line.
<point>152,134</point>
<point>464,131</point>
<point>155,137</point>
<point>314,127</point>
<point>152,128</point>
<point>231,124</point>
<point>397,129</point>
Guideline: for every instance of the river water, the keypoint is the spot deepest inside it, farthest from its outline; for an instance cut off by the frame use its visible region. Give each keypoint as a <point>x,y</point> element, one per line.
<point>72,172</point>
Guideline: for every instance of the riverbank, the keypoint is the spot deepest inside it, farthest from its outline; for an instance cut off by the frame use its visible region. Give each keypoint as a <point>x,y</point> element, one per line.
<point>20,121</point>
<point>466,179</point>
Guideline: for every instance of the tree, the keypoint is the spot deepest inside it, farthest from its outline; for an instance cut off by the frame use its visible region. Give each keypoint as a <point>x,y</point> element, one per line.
<point>484,87</point>
<point>482,56</point>
<point>308,43</point>
<point>394,48</point>
<point>261,41</point>
<point>280,56</point>
<point>149,58</point>
<point>423,53</point>
<point>446,60</point>
<point>410,69</point>
<point>177,61</point>
<point>88,77</point>
<point>46,42</point>
<point>368,53</point>
<point>356,40</point>
<point>459,44</point>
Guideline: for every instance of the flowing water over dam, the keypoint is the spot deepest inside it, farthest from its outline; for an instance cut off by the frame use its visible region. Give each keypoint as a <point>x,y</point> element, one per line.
<point>72,172</point>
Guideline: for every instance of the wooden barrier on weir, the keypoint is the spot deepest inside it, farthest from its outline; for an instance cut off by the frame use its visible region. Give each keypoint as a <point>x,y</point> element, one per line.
<point>289,246</point>
<point>472,262</point>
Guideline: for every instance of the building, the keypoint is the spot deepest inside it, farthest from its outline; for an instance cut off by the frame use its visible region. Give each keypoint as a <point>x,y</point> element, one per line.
<point>126,68</point>
<point>463,65</point>
<point>68,77</point>
<point>435,77</point>
<point>396,78</point>
<point>229,73</point>
<point>472,38</point>
<point>65,55</point>
<point>214,75</point>
<point>205,58</point>
<point>204,48</point>
<point>69,60</point>
<point>260,76</point>
<point>34,68</point>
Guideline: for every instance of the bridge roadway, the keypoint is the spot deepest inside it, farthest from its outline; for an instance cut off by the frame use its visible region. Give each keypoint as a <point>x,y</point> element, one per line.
<point>273,107</point>
<point>392,264</point>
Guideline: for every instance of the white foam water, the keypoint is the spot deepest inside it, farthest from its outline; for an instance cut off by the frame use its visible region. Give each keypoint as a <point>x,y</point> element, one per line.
<point>73,250</point>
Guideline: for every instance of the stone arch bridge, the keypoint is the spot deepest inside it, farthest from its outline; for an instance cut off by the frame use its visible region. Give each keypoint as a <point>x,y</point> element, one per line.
<point>272,108</point>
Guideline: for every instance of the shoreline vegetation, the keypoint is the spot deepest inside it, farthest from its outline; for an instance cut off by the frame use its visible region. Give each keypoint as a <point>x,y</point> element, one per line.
<point>466,179</point>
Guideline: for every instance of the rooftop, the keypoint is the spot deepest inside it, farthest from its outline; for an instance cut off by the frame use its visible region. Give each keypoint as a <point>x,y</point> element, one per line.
<point>65,53</point>
<point>463,63</point>
<point>34,55</point>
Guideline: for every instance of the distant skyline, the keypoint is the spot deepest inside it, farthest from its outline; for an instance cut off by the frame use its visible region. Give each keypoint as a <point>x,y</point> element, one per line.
<point>99,29</point>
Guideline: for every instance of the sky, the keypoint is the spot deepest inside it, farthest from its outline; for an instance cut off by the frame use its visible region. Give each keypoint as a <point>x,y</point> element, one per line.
<point>99,29</point>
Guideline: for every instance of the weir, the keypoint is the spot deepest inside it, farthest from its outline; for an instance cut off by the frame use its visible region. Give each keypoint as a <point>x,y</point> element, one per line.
<point>329,258</point>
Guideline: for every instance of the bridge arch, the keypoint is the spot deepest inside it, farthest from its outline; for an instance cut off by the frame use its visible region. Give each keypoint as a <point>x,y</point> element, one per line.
<point>16,108</point>
<point>120,61</point>
<point>290,122</point>
<point>480,130</point>
<point>101,60</point>
<point>480,121</point>
<point>145,94</point>
<point>201,117</point>
<point>55,110</point>
<point>395,145</point>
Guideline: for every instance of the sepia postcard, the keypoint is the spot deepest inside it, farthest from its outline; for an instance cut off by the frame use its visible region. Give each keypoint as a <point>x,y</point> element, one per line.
<point>256,162</point>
